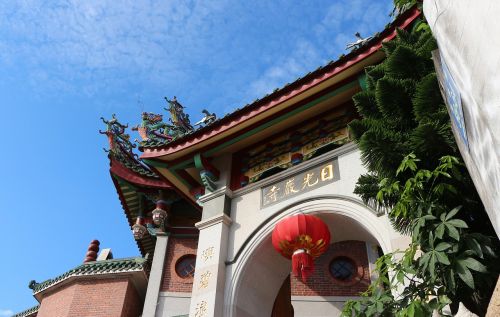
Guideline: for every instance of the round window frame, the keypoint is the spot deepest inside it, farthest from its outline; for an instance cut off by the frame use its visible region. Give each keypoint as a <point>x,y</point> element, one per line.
<point>357,275</point>
<point>179,260</point>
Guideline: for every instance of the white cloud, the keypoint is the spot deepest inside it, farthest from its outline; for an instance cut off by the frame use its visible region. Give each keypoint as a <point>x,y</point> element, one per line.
<point>72,39</point>
<point>341,20</point>
<point>6,312</point>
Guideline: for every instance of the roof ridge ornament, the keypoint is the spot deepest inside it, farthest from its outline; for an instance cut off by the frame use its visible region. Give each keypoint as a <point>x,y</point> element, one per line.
<point>121,148</point>
<point>208,119</point>
<point>118,140</point>
<point>360,42</point>
<point>179,119</point>
<point>152,127</point>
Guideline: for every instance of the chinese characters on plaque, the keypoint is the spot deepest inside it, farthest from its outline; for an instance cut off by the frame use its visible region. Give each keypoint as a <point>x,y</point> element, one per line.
<point>300,183</point>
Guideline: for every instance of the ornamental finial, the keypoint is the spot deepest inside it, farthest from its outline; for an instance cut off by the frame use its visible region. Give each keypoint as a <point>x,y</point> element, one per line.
<point>92,250</point>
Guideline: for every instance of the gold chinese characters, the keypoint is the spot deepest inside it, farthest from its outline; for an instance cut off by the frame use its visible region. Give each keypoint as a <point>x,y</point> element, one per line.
<point>204,279</point>
<point>207,254</point>
<point>297,184</point>
<point>201,309</point>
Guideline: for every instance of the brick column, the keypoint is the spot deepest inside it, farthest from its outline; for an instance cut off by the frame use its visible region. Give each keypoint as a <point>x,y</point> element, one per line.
<point>208,288</point>
<point>155,276</point>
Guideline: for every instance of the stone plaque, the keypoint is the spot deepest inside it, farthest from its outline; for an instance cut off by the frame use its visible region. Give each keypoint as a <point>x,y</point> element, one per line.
<point>300,183</point>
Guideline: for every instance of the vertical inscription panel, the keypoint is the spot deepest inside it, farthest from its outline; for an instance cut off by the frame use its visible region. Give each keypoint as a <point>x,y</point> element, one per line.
<point>310,179</point>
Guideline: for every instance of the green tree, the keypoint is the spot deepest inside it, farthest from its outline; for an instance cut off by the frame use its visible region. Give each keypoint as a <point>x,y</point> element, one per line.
<point>407,145</point>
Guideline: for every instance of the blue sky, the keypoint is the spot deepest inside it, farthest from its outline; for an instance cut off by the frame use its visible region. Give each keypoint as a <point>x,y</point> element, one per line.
<point>63,64</point>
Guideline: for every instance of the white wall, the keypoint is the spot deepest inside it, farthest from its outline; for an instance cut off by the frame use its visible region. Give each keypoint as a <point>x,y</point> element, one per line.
<point>173,304</point>
<point>317,306</point>
<point>467,32</point>
<point>258,271</point>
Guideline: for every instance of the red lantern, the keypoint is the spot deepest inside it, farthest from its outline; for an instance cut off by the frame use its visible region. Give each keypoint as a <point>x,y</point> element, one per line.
<point>301,238</point>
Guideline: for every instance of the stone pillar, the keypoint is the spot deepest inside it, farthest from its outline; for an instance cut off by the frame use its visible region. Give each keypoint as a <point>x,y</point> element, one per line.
<point>372,252</point>
<point>155,276</point>
<point>209,280</point>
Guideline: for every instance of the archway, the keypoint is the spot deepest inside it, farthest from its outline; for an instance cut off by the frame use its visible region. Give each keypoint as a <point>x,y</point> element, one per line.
<point>257,276</point>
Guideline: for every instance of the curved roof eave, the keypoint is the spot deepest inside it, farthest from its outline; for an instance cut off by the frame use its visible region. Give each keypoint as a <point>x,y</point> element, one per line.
<point>123,172</point>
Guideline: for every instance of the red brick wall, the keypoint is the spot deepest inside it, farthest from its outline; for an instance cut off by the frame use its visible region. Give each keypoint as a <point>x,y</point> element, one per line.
<point>177,247</point>
<point>322,283</point>
<point>93,298</point>
<point>57,304</point>
<point>133,304</point>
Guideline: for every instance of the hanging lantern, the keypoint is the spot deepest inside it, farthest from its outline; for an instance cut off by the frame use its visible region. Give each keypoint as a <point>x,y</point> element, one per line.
<point>138,229</point>
<point>301,238</point>
<point>159,214</point>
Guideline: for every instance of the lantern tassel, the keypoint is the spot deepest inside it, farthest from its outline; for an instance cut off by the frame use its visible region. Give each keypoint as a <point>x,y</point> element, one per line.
<point>302,264</point>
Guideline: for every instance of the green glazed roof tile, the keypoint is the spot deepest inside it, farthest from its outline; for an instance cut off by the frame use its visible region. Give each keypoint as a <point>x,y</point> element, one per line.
<point>94,268</point>
<point>28,312</point>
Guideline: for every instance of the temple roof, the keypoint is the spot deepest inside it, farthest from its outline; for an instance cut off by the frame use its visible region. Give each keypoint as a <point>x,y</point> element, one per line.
<point>125,265</point>
<point>28,312</point>
<point>136,165</point>
<point>156,147</point>
<point>174,153</point>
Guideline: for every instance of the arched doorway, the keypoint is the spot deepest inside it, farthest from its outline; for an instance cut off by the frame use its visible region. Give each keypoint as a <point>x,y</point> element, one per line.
<point>283,304</point>
<point>258,275</point>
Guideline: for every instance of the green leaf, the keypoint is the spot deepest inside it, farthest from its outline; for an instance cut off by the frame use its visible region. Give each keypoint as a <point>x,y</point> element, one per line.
<point>419,310</point>
<point>442,217</point>
<point>400,277</point>
<point>475,265</point>
<point>453,232</point>
<point>450,280</point>
<point>357,306</point>
<point>442,258</point>
<point>453,212</point>
<point>457,223</point>
<point>411,310</point>
<point>424,260</point>
<point>488,250</point>
<point>464,274</point>
<point>440,231</point>
<point>442,246</point>
<point>474,245</point>
<point>432,264</point>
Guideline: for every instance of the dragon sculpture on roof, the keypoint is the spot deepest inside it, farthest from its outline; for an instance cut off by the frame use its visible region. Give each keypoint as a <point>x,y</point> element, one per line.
<point>152,127</point>
<point>119,141</point>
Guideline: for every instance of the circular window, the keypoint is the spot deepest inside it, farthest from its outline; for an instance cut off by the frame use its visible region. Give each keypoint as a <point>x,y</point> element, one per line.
<point>185,266</point>
<point>342,268</point>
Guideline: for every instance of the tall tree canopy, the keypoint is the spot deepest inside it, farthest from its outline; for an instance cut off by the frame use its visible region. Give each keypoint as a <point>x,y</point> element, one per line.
<point>415,171</point>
